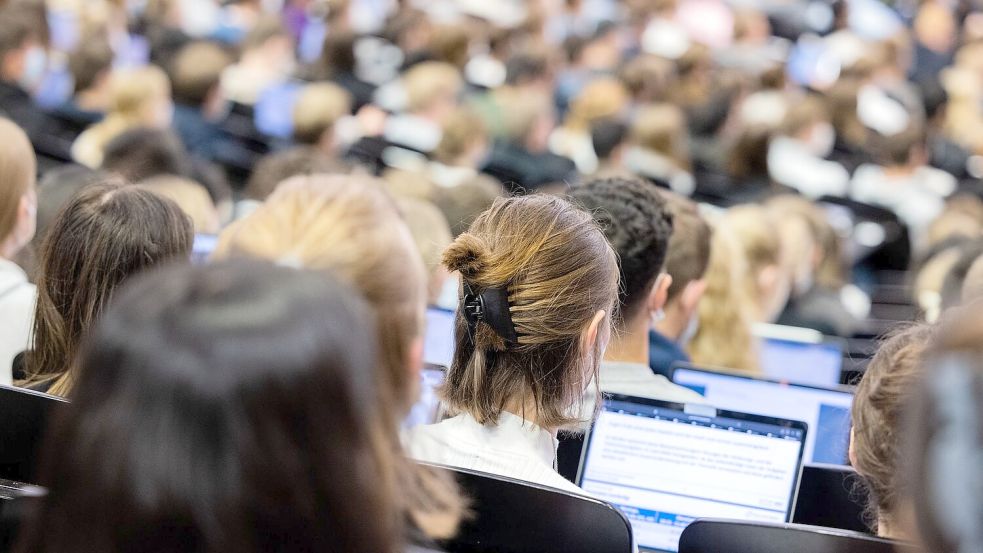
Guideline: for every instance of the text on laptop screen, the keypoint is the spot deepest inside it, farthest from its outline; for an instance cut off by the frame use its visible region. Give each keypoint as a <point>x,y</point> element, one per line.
<point>827,412</point>
<point>665,468</point>
<point>438,342</point>
<point>802,363</point>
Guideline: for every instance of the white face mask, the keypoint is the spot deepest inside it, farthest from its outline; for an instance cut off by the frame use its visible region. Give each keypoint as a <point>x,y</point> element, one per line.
<point>35,65</point>
<point>692,327</point>
<point>658,316</point>
<point>822,139</point>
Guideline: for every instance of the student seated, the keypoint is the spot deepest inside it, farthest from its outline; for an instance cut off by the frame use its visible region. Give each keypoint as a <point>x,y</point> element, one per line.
<point>539,285</point>
<point>348,225</point>
<point>106,234</point>
<point>687,259</point>
<point>943,453</point>
<point>91,66</point>
<point>18,214</point>
<point>638,224</point>
<point>878,421</point>
<point>195,428</point>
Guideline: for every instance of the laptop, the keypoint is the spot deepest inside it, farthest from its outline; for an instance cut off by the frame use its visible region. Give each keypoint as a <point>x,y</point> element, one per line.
<point>800,355</point>
<point>427,409</point>
<point>438,341</point>
<point>665,465</point>
<point>826,410</point>
<point>25,416</point>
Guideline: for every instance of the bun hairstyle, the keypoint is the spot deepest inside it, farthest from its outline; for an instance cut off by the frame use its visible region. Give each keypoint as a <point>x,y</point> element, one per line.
<point>542,269</point>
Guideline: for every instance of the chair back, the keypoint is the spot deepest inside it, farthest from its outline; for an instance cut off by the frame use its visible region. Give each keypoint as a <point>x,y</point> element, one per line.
<point>730,536</point>
<point>831,496</point>
<point>24,417</point>
<point>510,516</point>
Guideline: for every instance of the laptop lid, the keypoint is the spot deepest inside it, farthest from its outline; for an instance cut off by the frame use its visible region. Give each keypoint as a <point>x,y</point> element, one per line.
<point>825,410</point>
<point>800,355</point>
<point>427,408</point>
<point>665,465</point>
<point>438,341</point>
<point>25,416</point>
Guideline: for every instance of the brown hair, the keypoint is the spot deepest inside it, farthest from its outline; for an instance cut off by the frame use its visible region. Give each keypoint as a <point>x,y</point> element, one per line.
<point>318,108</point>
<point>429,82</point>
<point>349,225</point>
<point>107,233</point>
<point>463,203</point>
<point>878,409</point>
<point>196,70</point>
<point>661,128</point>
<point>17,173</point>
<point>558,270</point>
<point>94,57</point>
<point>273,169</point>
<point>689,245</point>
<point>462,130</point>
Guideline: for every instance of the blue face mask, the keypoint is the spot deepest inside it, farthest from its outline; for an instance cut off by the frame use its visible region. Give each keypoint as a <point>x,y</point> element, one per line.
<point>35,65</point>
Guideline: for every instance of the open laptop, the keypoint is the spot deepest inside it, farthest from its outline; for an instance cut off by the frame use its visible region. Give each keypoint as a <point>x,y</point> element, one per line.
<point>438,341</point>
<point>427,408</point>
<point>24,415</point>
<point>800,355</point>
<point>665,465</point>
<point>826,410</point>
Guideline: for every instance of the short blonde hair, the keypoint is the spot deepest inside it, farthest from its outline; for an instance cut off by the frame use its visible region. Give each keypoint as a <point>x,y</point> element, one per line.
<point>131,90</point>
<point>600,99</point>
<point>431,234</point>
<point>191,197</point>
<point>318,108</point>
<point>18,167</point>
<point>427,82</point>
<point>661,128</point>
<point>463,129</point>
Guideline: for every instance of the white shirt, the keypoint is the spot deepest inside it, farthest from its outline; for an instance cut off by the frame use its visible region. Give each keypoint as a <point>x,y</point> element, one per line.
<point>917,198</point>
<point>514,447</point>
<point>17,298</point>
<point>637,379</point>
<point>792,164</point>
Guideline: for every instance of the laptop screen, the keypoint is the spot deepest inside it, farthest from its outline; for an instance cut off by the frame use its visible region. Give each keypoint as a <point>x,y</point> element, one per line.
<point>427,408</point>
<point>826,411</point>
<point>665,465</point>
<point>802,363</point>
<point>438,342</point>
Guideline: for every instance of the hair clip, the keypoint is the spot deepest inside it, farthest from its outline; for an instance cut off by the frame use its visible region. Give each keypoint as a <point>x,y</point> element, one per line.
<point>490,306</point>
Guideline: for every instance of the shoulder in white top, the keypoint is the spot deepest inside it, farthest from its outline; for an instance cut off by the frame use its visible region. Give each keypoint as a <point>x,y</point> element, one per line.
<point>637,379</point>
<point>17,298</point>
<point>514,447</point>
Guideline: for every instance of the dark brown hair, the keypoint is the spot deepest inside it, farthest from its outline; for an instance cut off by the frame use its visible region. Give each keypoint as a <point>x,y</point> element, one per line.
<point>221,408</point>
<point>689,246</point>
<point>558,271</point>
<point>878,412</point>
<point>106,234</point>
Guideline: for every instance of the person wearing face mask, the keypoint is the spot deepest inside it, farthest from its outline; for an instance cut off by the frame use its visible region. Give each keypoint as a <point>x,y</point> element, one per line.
<point>796,156</point>
<point>687,258</point>
<point>18,219</point>
<point>23,62</point>
<point>638,224</point>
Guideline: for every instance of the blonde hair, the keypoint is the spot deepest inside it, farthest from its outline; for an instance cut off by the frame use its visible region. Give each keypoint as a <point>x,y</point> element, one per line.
<point>600,99</point>
<point>191,197</point>
<point>724,337</point>
<point>558,271</point>
<point>349,225</point>
<point>318,108</point>
<point>18,167</point>
<point>430,81</point>
<point>760,244</point>
<point>463,129</point>
<point>661,128</point>
<point>431,234</point>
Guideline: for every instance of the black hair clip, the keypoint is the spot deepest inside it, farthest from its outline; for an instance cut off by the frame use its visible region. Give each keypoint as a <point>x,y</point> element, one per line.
<point>490,306</point>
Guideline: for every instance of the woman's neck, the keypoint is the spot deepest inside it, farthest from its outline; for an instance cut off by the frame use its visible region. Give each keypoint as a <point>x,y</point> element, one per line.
<point>526,410</point>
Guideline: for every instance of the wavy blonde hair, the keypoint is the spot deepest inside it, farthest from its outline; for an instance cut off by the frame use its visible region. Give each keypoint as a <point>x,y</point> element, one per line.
<point>350,226</point>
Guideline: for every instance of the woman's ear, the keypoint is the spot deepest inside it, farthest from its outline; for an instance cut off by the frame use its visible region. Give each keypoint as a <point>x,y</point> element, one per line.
<point>659,293</point>
<point>414,362</point>
<point>599,329</point>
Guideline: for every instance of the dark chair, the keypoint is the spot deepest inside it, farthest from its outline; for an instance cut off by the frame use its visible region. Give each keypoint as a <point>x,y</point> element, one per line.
<point>568,455</point>
<point>517,517</point>
<point>831,496</point>
<point>728,536</point>
<point>23,419</point>
<point>16,505</point>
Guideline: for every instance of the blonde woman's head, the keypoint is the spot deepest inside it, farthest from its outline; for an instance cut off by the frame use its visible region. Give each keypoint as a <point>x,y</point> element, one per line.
<point>141,97</point>
<point>559,279</point>
<point>767,280</point>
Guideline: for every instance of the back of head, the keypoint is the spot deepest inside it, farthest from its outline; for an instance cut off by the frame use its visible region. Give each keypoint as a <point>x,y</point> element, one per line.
<point>600,99</point>
<point>200,405</point>
<point>606,136</point>
<point>878,412</point>
<point>521,109</point>
<point>131,90</point>
<point>556,270</point>
<point>898,149</point>
<point>463,203</point>
<point>273,169</point>
<point>944,440</point>
<point>318,108</point>
<point>688,252</point>
<point>463,131</point>
<point>57,188</point>
<point>637,223</point>
<point>661,128</point>
<point>191,197</point>
<point>429,82</point>
<point>196,71</point>
<point>766,281</point>
<point>803,114</point>
<point>143,153</point>
<point>106,234</point>
<point>17,27</point>
<point>956,278</point>
<point>17,173</point>
<point>432,235</point>
<point>90,61</point>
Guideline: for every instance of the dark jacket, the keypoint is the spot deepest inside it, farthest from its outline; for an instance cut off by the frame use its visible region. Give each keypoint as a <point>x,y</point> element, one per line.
<point>664,353</point>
